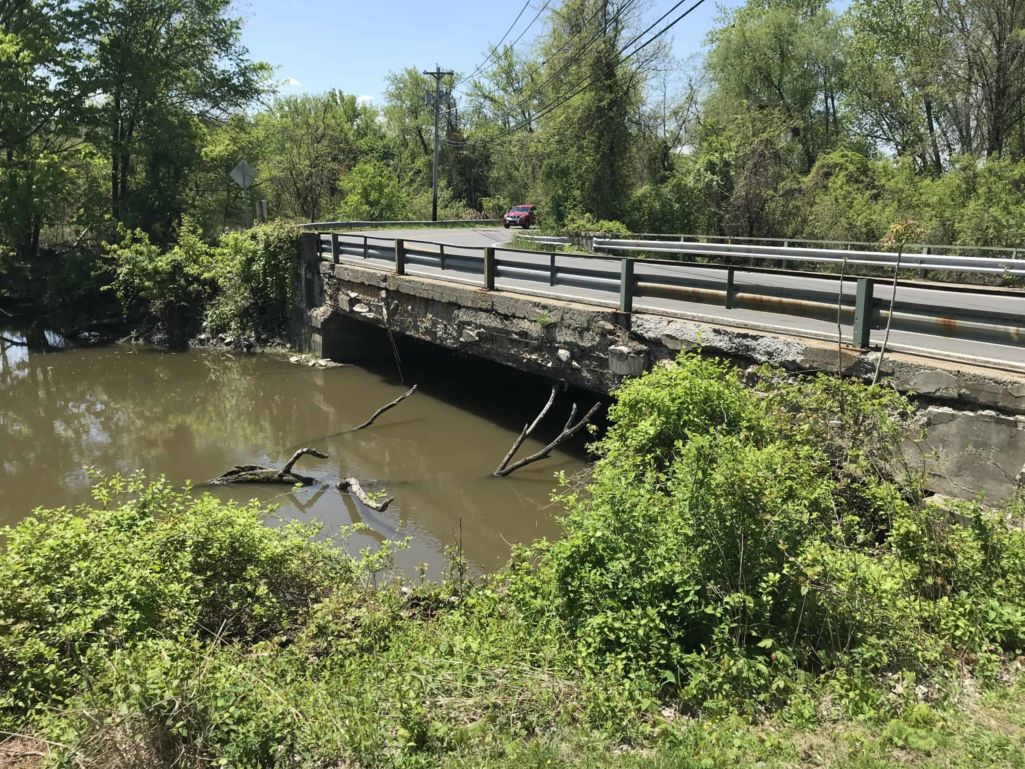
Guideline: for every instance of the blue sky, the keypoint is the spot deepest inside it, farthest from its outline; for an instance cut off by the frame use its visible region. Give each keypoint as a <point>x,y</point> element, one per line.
<point>316,45</point>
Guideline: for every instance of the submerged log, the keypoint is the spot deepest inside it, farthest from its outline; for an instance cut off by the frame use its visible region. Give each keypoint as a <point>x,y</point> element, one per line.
<point>258,474</point>
<point>352,485</point>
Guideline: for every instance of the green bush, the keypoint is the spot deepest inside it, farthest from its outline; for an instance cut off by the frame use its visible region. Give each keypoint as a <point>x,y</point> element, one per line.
<point>254,274</point>
<point>735,541</point>
<point>579,225</point>
<point>245,283</point>
<point>170,287</point>
<point>146,562</point>
<point>744,542</point>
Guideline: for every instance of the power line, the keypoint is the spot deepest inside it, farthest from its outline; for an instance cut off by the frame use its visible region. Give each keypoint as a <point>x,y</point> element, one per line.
<point>594,37</point>
<point>665,29</point>
<point>494,50</point>
<point>496,47</point>
<point>657,21</point>
<point>586,81</point>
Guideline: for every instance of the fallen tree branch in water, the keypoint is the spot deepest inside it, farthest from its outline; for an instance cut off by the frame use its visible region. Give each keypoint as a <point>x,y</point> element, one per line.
<point>258,474</point>
<point>384,408</point>
<point>12,342</point>
<point>352,485</point>
<point>527,430</point>
<point>568,432</point>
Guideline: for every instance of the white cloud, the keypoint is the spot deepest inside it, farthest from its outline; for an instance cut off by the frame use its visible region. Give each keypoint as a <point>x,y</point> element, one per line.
<point>362,100</point>
<point>290,82</point>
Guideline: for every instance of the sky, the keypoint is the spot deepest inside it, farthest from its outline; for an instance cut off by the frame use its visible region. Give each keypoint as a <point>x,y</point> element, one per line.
<point>352,45</point>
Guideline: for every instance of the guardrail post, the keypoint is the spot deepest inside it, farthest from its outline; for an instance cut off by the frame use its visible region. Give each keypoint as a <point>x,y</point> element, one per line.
<point>441,255</point>
<point>863,313</point>
<point>551,269</point>
<point>400,257</point>
<point>334,247</point>
<point>366,248</point>
<point>626,285</point>
<point>489,268</point>
<point>729,288</point>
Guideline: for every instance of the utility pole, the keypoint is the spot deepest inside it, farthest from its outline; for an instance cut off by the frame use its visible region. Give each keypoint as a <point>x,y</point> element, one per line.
<point>436,98</point>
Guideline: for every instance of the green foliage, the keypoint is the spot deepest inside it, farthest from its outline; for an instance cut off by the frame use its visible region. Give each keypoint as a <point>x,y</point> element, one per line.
<point>169,286</point>
<point>578,225</point>
<point>242,285</point>
<point>743,546</point>
<point>254,274</point>
<point>736,542</point>
<point>146,562</point>
<point>372,192</point>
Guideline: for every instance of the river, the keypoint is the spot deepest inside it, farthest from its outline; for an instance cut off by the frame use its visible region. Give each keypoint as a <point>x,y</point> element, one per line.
<point>192,415</point>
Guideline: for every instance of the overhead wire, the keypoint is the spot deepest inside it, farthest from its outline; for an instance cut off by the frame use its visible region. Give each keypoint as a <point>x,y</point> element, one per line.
<point>582,84</point>
<point>499,44</point>
<point>561,48</point>
<point>594,37</point>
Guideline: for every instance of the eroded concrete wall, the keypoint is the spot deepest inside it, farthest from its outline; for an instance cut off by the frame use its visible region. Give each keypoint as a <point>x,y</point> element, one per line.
<point>974,417</point>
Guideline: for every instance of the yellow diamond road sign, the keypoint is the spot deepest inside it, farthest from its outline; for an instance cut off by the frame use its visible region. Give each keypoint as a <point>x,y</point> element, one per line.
<point>243,174</point>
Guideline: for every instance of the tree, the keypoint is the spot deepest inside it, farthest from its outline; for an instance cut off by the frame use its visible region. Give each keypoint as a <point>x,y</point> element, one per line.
<point>987,66</point>
<point>894,54</point>
<point>782,60</point>
<point>594,91</point>
<point>162,67</point>
<point>42,105</point>
<point>311,142</point>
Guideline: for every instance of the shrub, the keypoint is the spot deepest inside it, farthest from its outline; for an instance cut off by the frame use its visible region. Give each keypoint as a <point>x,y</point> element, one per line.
<point>734,541</point>
<point>170,286</point>
<point>254,273</point>
<point>147,562</point>
<point>580,225</point>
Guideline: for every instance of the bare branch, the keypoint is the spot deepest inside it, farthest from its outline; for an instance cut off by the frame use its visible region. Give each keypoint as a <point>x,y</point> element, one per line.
<point>562,437</point>
<point>353,486</point>
<point>527,430</point>
<point>384,408</point>
<point>301,452</point>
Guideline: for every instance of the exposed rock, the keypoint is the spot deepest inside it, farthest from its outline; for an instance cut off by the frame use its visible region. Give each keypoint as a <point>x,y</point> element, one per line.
<point>628,361</point>
<point>971,452</point>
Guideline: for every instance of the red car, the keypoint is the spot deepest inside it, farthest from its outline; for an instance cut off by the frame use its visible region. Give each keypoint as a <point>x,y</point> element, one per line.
<point>523,216</point>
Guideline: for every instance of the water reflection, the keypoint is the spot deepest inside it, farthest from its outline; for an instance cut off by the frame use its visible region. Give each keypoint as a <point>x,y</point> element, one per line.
<point>192,415</point>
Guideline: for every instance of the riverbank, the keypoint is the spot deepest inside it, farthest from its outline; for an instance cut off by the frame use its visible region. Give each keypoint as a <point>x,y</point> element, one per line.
<point>748,577</point>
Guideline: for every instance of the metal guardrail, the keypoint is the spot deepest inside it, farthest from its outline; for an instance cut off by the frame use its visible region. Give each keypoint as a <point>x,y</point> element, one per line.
<point>395,223</point>
<point>845,245</point>
<point>654,284</point>
<point>910,259</point>
<point>547,240</point>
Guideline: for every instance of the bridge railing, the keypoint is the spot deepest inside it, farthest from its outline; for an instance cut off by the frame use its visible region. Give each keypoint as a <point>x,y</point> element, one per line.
<point>1005,264</point>
<point>859,305</point>
<point>841,245</point>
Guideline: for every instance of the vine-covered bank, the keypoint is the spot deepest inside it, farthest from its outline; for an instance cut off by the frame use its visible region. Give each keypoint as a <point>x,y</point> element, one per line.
<point>748,573</point>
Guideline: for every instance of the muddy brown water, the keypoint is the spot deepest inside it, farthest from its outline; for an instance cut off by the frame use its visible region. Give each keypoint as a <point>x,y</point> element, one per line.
<point>192,415</point>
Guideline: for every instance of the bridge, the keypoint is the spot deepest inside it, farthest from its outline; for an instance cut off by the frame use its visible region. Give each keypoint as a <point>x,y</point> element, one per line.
<point>594,319</point>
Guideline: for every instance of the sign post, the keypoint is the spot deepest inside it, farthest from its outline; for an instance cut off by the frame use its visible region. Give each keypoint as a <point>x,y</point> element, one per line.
<point>243,175</point>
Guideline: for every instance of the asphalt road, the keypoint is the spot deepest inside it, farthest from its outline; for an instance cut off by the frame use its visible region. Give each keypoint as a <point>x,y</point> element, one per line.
<point>939,338</point>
